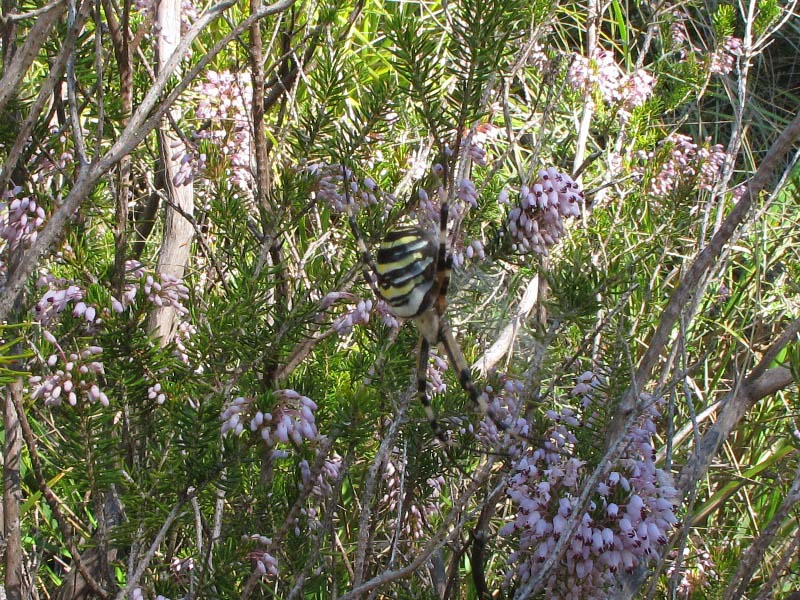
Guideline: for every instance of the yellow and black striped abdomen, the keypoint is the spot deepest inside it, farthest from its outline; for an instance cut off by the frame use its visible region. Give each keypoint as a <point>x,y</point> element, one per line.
<point>406,265</point>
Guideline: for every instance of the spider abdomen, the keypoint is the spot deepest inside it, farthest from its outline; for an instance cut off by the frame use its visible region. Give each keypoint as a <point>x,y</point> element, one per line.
<point>406,269</point>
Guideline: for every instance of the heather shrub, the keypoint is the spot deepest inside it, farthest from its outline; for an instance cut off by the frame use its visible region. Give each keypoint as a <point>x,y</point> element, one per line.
<point>205,397</point>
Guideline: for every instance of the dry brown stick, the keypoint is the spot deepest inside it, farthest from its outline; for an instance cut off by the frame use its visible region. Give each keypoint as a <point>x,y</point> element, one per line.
<point>12,492</point>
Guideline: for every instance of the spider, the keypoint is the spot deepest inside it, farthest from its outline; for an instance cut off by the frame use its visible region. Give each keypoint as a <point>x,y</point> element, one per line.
<point>411,273</point>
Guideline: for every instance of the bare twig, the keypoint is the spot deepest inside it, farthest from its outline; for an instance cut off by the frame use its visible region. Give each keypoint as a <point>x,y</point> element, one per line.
<point>151,551</point>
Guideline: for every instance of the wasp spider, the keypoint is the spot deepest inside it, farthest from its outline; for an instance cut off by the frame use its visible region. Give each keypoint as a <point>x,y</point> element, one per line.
<point>411,273</point>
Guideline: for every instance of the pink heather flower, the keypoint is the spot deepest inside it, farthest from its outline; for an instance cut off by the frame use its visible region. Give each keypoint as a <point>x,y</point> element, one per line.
<point>232,415</point>
<point>320,484</point>
<point>437,367</point>
<point>538,58</point>
<point>291,419</point>
<point>192,165</point>
<point>635,89</point>
<point>183,336</point>
<point>160,289</point>
<point>417,509</point>
<point>72,376</point>
<point>537,222</point>
<point>724,57</point>
<point>223,104</point>
<point>698,570</point>
<point>467,193</point>
<point>468,252</point>
<point>611,536</point>
<point>687,162</point>
<point>264,562</point>
<point>180,566</point>
<point>328,187</point>
<point>387,316</point>
<point>474,144</point>
<point>505,407</point>
<point>154,393</point>
<point>677,29</point>
<point>598,72</point>
<point>20,218</point>
<point>356,315</point>
<point>54,302</point>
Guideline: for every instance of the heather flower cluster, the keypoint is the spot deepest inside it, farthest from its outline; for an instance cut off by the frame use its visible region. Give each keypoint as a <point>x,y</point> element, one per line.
<point>537,223</point>
<point>677,30</point>
<point>724,58</point>
<point>180,567</point>
<point>437,367</point>
<point>291,419</point>
<point>183,335</point>
<point>600,73</point>
<point>321,489</point>
<point>328,186</point>
<point>20,219</point>
<point>223,104</point>
<point>407,513</point>
<point>474,145</point>
<point>358,312</point>
<point>464,199</point>
<point>154,392</point>
<point>597,72</point>
<point>355,315</point>
<point>628,519</point>
<point>192,164</point>
<point>73,376</point>
<point>504,409</point>
<point>57,298</point>
<point>686,162</point>
<point>159,289</point>
<point>261,560</point>
<point>698,570</point>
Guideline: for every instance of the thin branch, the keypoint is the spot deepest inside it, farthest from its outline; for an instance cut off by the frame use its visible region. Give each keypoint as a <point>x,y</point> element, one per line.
<point>151,551</point>
<point>12,17</point>
<point>450,527</point>
<point>44,96</point>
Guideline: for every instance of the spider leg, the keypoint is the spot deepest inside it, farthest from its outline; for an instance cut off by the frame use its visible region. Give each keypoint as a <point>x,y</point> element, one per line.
<point>444,260</point>
<point>422,388</point>
<point>448,343</point>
